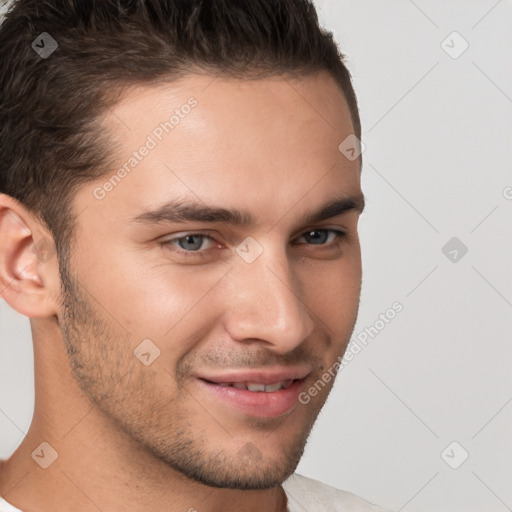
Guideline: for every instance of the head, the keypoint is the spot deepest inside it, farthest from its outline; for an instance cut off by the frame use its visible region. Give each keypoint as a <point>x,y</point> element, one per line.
<point>172,155</point>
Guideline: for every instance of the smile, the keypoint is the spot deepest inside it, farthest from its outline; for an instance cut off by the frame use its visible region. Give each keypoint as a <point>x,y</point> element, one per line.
<point>254,398</point>
<point>258,386</point>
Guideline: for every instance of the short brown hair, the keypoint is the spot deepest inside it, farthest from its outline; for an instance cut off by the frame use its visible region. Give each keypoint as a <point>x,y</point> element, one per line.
<point>50,138</point>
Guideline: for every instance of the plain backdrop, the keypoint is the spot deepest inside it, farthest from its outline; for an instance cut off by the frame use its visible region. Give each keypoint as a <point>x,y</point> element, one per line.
<point>420,418</point>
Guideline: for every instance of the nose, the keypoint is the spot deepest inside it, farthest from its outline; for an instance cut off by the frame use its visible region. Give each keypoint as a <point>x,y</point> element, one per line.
<point>266,303</point>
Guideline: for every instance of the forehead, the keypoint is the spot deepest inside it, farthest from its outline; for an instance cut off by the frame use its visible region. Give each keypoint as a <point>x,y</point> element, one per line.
<point>263,142</point>
<point>212,110</point>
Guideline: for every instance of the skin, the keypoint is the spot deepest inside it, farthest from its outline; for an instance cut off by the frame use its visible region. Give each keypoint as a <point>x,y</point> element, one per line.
<point>133,437</point>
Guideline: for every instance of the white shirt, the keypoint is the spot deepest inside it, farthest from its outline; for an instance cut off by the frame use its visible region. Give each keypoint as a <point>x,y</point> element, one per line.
<point>308,495</point>
<point>304,495</point>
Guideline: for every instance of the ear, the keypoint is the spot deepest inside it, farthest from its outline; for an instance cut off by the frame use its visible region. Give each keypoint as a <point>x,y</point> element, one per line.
<point>29,271</point>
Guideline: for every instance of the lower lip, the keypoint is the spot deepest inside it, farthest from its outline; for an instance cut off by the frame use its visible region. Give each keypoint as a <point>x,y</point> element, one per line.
<point>257,403</point>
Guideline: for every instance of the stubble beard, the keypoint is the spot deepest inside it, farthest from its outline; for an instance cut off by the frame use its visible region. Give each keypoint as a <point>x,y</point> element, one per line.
<point>124,392</point>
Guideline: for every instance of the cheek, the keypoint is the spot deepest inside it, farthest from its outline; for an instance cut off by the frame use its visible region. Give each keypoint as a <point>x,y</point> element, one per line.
<point>332,292</point>
<point>155,299</point>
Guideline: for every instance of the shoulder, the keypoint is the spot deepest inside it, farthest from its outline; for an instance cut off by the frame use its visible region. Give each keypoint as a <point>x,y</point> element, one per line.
<point>7,507</point>
<point>303,492</point>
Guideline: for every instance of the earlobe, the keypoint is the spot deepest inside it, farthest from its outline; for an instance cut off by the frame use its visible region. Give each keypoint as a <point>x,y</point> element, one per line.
<point>29,277</point>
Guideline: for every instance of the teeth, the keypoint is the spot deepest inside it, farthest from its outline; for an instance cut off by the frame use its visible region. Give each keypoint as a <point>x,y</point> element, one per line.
<point>254,386</point>
<point>257,386</point>
<point>274,387</point>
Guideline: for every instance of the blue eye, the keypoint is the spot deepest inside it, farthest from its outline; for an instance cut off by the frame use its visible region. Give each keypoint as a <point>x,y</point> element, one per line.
<point>193,244</point>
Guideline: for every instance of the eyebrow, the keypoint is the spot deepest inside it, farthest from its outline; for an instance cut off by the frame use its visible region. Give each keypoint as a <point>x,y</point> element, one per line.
<point>195,211</point>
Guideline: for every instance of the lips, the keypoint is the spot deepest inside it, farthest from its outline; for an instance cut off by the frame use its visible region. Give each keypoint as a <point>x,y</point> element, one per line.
<point>258,386</point>
<point>266,377</point>
<point>258,393</point>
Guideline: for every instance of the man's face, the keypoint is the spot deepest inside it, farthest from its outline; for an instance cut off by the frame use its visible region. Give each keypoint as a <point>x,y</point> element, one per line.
<point>160,314</point>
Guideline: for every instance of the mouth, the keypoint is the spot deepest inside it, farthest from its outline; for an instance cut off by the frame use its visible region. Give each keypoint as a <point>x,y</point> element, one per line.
<point>257,387</point>
<point>263,395</point>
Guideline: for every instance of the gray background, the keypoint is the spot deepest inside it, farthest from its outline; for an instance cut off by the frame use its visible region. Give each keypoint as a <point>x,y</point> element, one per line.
<point>437,125</point>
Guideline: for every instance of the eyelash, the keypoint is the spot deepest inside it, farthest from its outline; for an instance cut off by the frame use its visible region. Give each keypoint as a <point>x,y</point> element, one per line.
<point>340,236</point>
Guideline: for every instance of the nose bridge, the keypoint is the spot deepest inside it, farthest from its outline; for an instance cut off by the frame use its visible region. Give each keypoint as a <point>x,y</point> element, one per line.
<point>267,302</point>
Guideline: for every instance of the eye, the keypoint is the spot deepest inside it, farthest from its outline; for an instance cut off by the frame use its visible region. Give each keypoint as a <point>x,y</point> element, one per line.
<point>197,244</point>
<point>190,243</point>
<point>323,236</point>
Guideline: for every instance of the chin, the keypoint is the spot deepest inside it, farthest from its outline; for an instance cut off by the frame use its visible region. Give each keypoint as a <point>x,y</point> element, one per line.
<point>247,468</point>
<point>265,476</point>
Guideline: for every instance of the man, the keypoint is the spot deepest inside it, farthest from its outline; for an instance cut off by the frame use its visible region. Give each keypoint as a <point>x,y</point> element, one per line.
<point>180,192</point>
